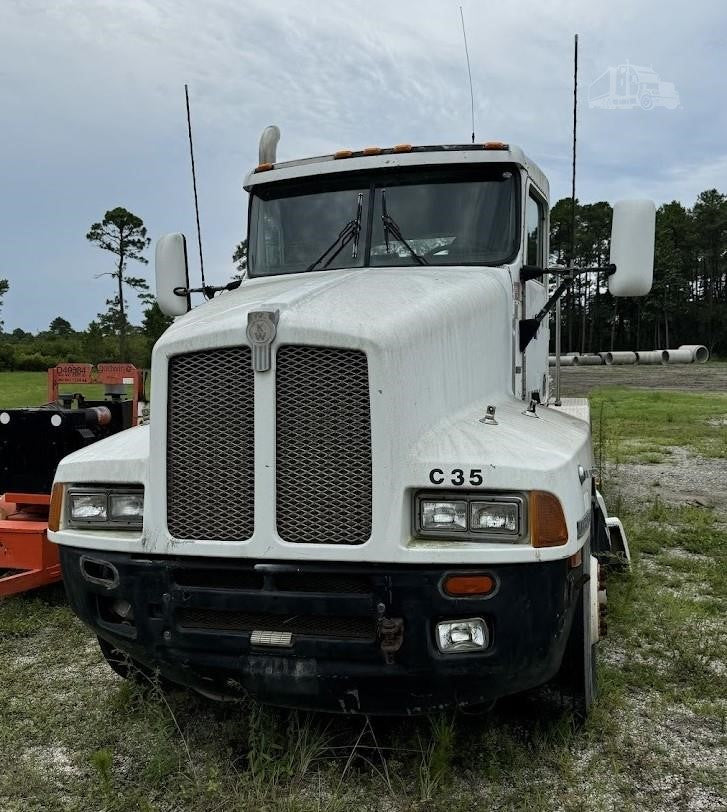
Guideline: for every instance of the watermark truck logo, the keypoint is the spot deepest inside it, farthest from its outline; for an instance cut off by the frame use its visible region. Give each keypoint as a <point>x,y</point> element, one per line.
<point>628,86</point>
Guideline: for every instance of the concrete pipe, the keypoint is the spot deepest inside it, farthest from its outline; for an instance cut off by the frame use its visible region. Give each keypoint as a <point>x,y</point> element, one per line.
<point>617,358</point>
<point>649,357</point>
<point>570,355</point>
<point>588,360</point>
<point>700,354</point>
<point>677,356</point>
<point>565,360</point>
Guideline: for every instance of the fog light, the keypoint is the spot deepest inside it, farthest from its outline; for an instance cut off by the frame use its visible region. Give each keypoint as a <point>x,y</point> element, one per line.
<point>469,634</point>
<point>123,609</point>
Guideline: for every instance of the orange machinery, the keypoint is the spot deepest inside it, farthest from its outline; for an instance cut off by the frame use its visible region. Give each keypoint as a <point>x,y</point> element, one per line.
<point>32,443</point>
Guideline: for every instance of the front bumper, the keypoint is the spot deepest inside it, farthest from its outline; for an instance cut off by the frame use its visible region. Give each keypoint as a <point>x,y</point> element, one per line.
<point>362,636</point>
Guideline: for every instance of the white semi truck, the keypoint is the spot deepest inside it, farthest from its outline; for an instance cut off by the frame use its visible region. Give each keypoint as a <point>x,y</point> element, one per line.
<point>355,493</point>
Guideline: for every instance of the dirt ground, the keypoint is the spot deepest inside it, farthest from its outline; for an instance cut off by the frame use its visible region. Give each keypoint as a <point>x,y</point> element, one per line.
<point>709,377</point>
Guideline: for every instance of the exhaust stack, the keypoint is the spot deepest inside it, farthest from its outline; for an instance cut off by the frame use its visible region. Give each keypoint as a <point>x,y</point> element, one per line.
<point>267,152</point>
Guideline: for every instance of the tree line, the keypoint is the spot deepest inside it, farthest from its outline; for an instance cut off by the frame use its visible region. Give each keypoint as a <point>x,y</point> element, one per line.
<point>687,303</point>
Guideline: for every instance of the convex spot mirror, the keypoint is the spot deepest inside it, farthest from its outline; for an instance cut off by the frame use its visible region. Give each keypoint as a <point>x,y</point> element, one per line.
<point>632,247</point>
<point>172,273</point>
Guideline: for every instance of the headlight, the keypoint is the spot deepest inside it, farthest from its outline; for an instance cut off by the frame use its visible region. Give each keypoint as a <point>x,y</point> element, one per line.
<point>438,515</point>
<point>120,508</point>
<point>472,516</point>
<point>495,517</point>
<point>127,506</point>
<point>88,507</point>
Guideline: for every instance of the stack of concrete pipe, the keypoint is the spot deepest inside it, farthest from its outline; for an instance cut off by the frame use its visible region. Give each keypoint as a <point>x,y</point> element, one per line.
<point>685,354</point>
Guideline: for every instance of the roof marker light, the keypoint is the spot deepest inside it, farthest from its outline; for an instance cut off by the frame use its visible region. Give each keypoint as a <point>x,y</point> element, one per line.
<point>264,167</point>
<point>342,153</point>
<point>402,148</point>
<point>372,151</point>
<point>495,145</point>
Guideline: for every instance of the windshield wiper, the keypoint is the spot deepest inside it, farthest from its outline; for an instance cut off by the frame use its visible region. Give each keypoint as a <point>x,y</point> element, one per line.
<point>350,232</point>
<point>391,227</point>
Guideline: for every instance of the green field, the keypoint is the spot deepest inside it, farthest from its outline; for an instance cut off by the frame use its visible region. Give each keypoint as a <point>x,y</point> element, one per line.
<point>73,736</point>
<point>18,389</point>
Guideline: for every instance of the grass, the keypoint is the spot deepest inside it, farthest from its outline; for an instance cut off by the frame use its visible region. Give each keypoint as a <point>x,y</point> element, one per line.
<point>641,425</point>
<point>73,736</point>
<point>19,389</point>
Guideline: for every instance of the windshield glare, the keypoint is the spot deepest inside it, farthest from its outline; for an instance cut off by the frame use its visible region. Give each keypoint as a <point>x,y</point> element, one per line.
<point>460,216</point>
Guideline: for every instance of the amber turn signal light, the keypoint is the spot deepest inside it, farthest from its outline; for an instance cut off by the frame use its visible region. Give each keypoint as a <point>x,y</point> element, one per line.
<point>56,504</point>
<point>547,521</point>
<point>468,585</point>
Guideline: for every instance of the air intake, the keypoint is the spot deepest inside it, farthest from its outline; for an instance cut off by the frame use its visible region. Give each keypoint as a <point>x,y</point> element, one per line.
<point>210,445</point>
<point>323,445</point>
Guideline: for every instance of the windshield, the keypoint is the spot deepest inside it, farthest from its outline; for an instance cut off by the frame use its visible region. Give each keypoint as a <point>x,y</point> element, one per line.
<point>421,216</point>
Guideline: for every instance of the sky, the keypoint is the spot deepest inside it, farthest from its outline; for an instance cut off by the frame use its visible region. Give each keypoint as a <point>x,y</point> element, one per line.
<point>92,111</point>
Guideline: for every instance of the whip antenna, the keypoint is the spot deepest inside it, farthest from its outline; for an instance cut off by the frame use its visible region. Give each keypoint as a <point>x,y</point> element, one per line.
<point>572,218</point>
<point>194,186</point>
<point>469,73</point>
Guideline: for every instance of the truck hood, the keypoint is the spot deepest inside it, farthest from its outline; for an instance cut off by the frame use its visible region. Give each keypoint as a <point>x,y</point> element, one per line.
<point>369,308</point>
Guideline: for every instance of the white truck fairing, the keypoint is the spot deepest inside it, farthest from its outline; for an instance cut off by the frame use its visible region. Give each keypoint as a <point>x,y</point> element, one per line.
<point>439,352</point>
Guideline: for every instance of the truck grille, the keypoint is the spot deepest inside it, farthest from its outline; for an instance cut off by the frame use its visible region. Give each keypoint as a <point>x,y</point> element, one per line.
<point>323,445</point>
<point>210,445</point>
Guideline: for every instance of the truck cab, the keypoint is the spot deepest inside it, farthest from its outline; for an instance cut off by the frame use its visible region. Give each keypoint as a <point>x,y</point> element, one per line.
<point>356,497</point>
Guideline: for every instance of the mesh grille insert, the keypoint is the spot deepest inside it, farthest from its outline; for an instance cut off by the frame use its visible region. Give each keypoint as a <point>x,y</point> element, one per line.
<point>323,445</point>
<point>344,628</point>
<point>210,445</point>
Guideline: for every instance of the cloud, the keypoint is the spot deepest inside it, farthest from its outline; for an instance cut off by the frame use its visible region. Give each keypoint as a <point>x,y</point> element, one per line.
<point>92,94</point>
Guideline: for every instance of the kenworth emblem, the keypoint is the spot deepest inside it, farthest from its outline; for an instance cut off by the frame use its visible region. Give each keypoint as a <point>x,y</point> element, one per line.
<point>261,330</point>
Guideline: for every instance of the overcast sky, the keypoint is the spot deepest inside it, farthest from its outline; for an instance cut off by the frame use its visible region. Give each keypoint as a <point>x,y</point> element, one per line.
<point>92,110</point>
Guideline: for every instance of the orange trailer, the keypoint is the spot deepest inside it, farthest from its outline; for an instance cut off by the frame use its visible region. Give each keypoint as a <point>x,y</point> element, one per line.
<point>32,442</point>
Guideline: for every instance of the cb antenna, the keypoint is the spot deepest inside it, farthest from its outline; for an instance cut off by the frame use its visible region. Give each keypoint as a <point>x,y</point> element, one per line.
<point>194,186</point>
<point>469,73</point>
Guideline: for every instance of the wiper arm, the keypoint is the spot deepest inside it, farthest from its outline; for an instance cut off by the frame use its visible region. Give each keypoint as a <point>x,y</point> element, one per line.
<point>391,227</point>
<point>350,232</point>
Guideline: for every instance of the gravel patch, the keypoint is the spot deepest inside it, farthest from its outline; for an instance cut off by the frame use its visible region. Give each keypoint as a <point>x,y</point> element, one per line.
<point>684,479</point>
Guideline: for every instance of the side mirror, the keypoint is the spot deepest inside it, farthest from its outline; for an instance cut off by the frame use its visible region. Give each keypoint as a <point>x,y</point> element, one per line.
<point>632,247</point>
<point>172,273</point>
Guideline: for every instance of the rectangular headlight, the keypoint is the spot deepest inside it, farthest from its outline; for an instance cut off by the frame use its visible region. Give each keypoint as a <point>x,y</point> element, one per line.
<point>127,506</point>
<point>120,507</point>
<point>472,516</point>
<point>443,515</point>
<point>88,507</point>
<point>495,517</point>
